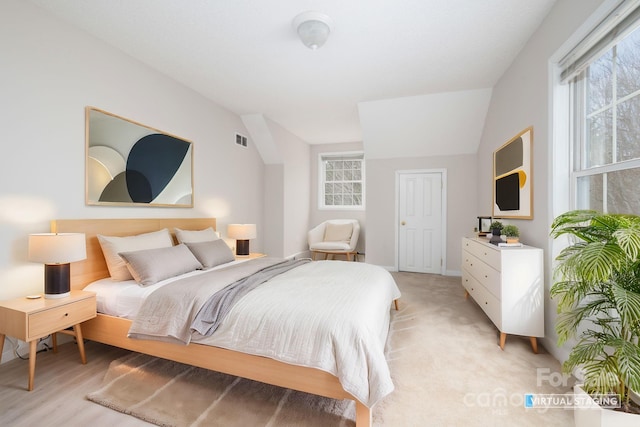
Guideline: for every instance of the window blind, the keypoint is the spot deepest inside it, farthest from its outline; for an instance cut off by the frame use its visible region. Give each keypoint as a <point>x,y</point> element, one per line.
<point>618,24</point>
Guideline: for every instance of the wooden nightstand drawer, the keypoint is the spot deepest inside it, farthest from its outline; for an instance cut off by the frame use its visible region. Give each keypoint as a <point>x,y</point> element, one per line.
<point>55,319</point>
<point>30,319</point>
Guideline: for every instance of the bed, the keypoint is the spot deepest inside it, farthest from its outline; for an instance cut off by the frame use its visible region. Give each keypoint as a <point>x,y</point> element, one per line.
<point>113,330</point>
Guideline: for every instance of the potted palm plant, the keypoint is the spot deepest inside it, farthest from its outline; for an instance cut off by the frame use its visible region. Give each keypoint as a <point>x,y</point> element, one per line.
<point>597,289</point>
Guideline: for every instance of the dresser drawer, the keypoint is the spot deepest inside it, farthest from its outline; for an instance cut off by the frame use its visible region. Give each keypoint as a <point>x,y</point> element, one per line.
<point>485,274</point>
<point>44,322</point>
<point>470,283</point>
<point>485,300</point>
<point>490,305</point>
<point>486,254</point>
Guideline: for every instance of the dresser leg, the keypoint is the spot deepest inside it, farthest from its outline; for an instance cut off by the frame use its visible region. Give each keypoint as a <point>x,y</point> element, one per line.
<point>466,294</point>
<point>1,345</point>
<point>54,342</point>
<point>503,339</point>
<point>32,362</point>
<point>395,301</point>
<point>534,344</point>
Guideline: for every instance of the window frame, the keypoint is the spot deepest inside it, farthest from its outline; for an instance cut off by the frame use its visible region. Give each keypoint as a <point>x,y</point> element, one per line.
<point>342,155</point>
<point>578,132</point>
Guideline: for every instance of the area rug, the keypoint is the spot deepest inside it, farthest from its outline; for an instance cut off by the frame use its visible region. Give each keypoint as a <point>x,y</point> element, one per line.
<point>172,394</point>
<point>443,355</point>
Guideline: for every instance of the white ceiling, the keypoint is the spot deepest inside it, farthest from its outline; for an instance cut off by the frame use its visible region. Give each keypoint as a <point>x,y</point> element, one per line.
<point>245,55</point>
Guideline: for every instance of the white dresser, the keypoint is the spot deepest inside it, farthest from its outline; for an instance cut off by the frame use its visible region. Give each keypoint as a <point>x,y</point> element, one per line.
<point>507,283</point>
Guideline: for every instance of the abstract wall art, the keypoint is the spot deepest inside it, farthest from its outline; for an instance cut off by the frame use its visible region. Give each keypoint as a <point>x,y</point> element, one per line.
<point>129,164</point>
<point>512,178</point>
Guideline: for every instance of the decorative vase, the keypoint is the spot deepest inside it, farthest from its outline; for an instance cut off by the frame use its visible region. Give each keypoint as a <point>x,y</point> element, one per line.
<point>495,236</point>
<point>587,413</point>
<point>513,240</point>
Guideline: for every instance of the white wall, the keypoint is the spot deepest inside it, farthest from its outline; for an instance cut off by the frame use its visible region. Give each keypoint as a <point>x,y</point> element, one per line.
<point>521,99</point>
<point>295,187</point>
<point>381,205</point>
<point>316,215</point>
<point>49,73</point>
<point>286,189</point>
<point>435,117</point>
<point>273,210</point>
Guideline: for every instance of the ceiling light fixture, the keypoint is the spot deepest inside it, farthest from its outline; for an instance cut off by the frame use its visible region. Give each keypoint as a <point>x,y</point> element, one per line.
<point>313,28</point>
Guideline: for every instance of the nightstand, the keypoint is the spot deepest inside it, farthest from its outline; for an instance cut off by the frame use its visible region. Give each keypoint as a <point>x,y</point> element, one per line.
<point>31,319</point>
<point>252,255</point>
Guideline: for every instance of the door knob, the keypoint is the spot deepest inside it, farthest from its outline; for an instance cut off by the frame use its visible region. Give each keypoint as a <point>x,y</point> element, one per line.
<point>402,223</point>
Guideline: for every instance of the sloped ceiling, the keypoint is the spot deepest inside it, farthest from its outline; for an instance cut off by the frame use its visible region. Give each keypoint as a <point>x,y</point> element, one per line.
<point>426,125</point>
<point>245,56</point>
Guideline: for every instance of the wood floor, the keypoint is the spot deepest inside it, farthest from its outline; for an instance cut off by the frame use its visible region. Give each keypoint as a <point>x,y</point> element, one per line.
<point>61,384</point>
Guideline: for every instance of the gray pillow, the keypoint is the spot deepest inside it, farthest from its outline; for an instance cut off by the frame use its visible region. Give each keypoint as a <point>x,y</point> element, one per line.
<point>150,266</point>
<point>113,245</point>
<point>195,236</point>
<point>211,254</point>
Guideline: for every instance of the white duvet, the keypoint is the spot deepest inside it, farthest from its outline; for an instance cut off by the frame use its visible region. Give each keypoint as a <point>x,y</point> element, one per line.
<point>329,315</point>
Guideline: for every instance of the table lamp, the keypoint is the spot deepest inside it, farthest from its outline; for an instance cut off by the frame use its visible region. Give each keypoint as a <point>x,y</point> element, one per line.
<point>242,233</point>
<point>56,251</point>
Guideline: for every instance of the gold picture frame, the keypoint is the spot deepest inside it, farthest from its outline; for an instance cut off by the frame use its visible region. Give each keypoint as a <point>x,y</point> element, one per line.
<point>130,164</point>
<point>513,177</point>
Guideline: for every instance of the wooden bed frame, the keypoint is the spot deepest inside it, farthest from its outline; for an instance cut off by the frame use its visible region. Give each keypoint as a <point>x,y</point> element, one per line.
<point>113,330</point>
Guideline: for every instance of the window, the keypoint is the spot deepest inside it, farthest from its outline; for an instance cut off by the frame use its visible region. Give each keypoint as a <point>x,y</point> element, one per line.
<point>341,181</point>
<point>605,109</point>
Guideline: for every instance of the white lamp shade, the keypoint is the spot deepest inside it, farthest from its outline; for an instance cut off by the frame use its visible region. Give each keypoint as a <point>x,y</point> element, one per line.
<point>241,231</point>
<point>60,248</point>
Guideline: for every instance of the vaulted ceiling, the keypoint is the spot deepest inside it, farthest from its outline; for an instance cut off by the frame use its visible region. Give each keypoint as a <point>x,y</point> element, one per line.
<point>410,61</point>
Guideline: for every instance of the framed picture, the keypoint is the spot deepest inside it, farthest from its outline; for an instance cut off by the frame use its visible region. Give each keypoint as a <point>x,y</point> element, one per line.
<point>513,179</point>
<point>484,225</point>
<point>129,164</point>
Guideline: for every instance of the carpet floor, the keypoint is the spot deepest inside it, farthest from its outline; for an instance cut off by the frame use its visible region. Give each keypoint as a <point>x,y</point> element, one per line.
<point>445,361</point>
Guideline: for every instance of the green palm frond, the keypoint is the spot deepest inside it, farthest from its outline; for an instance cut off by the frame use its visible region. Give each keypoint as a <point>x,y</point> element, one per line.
<point>597,289</point>
<point>629,240</point>
<point>569,319</point>
<point>628,359</point>
<point>571,222</point>
<point>591,262</point>
<point>628,306</point>
<point>601,376</point>
<point>585,351</point>
<point>568,293</point>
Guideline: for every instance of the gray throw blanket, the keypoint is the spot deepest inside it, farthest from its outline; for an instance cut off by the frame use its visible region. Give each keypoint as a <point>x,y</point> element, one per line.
<point>168,312</point>
<point>213,312</point>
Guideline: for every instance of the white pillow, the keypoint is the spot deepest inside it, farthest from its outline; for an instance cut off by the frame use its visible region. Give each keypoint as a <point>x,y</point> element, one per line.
<point>338,232</point>
<point>150,266</point>
<point>196,236</point>
<point>113,245</point>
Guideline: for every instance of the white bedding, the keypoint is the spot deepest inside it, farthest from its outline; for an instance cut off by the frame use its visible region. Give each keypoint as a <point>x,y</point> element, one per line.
<point>123,298</point>
<point>308,316</point>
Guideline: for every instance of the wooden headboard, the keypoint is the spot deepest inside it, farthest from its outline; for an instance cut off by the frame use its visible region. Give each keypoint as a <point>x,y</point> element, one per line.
<point>94,267</point>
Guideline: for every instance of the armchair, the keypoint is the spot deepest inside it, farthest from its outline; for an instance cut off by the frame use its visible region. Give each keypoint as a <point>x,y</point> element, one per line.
<point>335,237</point>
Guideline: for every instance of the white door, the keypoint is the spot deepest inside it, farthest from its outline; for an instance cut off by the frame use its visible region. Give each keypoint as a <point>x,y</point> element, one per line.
<point>420,229</point>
